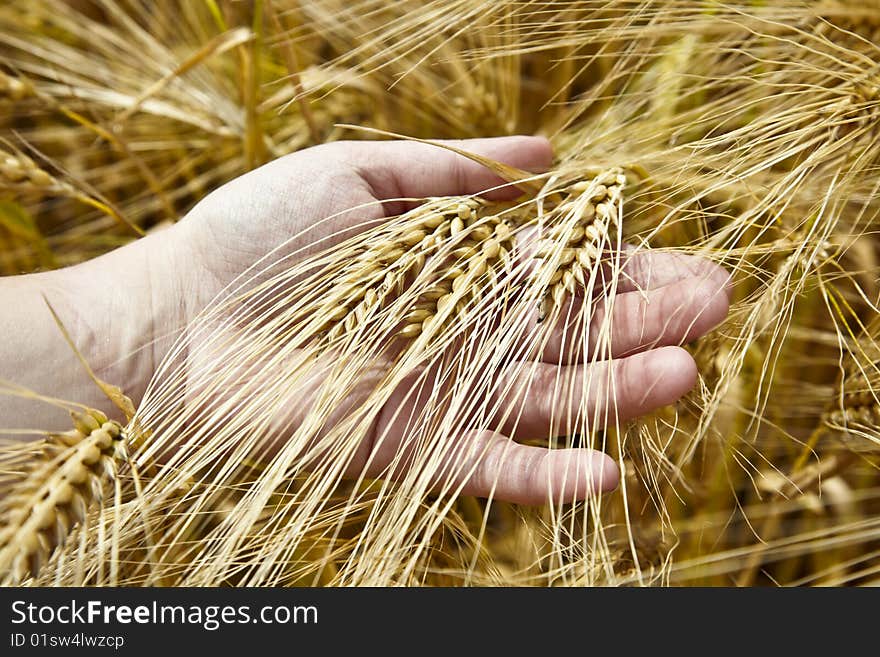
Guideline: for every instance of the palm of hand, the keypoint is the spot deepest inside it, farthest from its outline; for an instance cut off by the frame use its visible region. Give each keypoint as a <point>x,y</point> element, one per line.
<point>665,300</point>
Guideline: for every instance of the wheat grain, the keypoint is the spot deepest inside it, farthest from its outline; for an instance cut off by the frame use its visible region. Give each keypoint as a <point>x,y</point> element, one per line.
<point>853,414</point>
<point>40,511</point>
<point>769,132</point>
<point>856,417</point>
<point>19,170</point>
<point>576,232</point>
<point>466,247</point>
<point>481,252</point>
<point>14,88</point>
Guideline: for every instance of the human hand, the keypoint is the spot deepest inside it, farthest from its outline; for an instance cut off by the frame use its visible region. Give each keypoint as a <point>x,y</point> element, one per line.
<point>162,282</point>
<point>312,200</point>
<point>663,300</point>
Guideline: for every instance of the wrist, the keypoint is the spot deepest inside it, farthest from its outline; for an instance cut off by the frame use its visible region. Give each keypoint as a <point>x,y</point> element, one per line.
<point>124,310</point>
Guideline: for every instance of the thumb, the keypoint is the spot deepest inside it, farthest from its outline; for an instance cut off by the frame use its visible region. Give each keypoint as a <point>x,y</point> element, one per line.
<point>406,169</point>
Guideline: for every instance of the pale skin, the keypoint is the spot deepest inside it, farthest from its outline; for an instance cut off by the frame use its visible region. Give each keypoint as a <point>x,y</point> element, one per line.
<point>123,309</point>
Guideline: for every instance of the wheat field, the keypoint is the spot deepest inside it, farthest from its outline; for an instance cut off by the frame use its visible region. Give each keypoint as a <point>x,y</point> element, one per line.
<point>744,132</point>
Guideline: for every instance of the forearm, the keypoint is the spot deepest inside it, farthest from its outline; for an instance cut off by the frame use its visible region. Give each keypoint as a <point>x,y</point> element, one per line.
<point>122,310</point>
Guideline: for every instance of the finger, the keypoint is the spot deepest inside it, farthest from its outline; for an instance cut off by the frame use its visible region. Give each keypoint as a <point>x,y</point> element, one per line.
<point>645,269</point>
<point>405,169</point>
<point>491,465</point>
<point>674,314</point>
<point>661,299</point>
<point>639,268</point>
<point>535,399</point>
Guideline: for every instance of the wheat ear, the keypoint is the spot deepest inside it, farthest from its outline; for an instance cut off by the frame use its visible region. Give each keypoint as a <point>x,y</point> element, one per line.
<point>854,413</point>
<point>42,509</point>
<point>575,233</point>
<point>471,247</point>
<point>13,88</point>
<point>17,169</point>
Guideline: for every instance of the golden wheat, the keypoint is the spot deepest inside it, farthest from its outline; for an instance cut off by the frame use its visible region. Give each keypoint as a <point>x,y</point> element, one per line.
<point>754,128</point>
<point>14,88</point>
<point>20,171</point>
<point>578,231</point>
<point>56,493</point>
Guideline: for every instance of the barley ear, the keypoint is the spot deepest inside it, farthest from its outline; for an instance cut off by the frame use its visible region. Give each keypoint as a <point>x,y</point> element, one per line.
<point>113,393</point>
<point>58,492</point>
